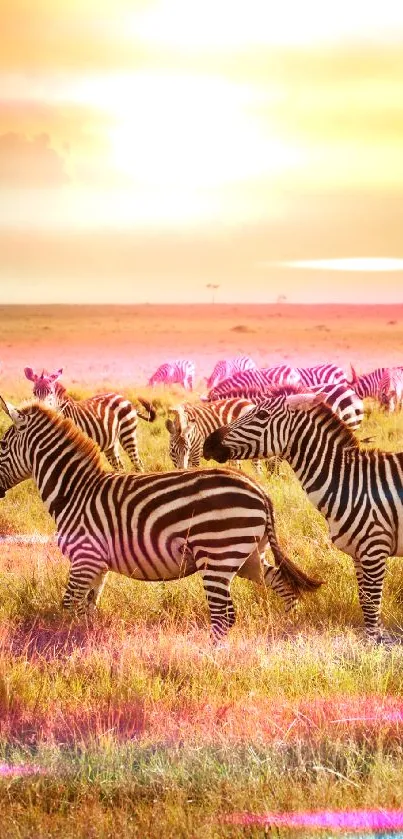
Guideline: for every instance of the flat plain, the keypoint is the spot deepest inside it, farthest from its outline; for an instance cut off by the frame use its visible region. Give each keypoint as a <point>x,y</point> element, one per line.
<point>136,725</point>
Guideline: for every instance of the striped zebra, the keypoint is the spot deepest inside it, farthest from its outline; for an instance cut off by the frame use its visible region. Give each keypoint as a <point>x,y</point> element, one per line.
<point>226,369</point>
<point>263,378</point>
<point>341,399</point>
<point>107,418</point>
<point>359,492</point>
<point>367,385</point>
<point>160,526</point>
<point>174,372</point>
<point>191,424</point>
<point>327,374</point>
<point>391,389</point>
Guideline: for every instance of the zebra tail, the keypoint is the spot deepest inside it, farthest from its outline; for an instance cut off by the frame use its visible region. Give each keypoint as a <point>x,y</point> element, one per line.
<point>296,578</point>
<point>151,412</point>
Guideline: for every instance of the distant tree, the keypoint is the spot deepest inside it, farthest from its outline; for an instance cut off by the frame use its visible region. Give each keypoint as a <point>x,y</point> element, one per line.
<point>212,287</point>
<point>281,298</point>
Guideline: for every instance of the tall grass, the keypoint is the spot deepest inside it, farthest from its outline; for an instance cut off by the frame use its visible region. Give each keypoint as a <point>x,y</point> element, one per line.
<point>135,725</point>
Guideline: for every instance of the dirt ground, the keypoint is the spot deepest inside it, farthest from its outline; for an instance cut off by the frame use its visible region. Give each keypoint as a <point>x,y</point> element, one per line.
<point>123,345</point>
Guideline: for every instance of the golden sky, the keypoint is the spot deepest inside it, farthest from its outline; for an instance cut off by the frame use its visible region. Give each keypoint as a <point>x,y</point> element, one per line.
<point>172,143</point>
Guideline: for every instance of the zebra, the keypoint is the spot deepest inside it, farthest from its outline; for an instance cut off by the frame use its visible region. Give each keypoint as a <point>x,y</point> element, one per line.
<point>191,424</point>
<point>341,399</point>
<point>174,372</point>
<point>160,526</point>
<point>391,389</point>
<point>108,418</point>
<point>226,369</point>
<point>360,492</point>
<point>327,374</point>
<point>367,385</point>
<point>263,378</point>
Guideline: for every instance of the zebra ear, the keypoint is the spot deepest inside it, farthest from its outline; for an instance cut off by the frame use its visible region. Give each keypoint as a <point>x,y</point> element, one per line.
<point>354,377</point>
<point>304,401</point>
<point>169,425</point>
<point>29,373</point>
<point>12,412</point>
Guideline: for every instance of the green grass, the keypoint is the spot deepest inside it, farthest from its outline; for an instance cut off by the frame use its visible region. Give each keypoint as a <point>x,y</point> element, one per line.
<point>136,726</point>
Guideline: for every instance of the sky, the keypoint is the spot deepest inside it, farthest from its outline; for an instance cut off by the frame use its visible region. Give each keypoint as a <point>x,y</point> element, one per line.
<point>150,149</point>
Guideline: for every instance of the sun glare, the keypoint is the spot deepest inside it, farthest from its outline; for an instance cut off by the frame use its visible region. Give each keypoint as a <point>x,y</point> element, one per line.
<point>229,25</point>
<point>184,131</point>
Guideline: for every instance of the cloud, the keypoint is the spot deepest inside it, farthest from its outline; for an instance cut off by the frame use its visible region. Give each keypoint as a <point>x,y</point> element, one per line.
<point>28,162</point>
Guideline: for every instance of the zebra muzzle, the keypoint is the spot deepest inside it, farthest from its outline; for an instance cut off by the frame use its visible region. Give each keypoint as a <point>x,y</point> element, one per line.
<point>214,449</point>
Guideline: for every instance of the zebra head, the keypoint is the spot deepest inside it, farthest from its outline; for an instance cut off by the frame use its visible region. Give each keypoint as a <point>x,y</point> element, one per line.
<point>15,454</point>
<point>182,432</point>
<point>262,432</point>
<point>44,385</point>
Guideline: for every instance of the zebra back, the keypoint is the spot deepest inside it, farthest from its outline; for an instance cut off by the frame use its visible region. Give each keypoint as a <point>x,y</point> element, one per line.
<point>327,374</point>
<point>250,379</point>
<point>224,369</point>
<point>181,371</point>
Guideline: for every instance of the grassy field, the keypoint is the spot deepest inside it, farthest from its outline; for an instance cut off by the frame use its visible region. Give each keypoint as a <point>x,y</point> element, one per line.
<point>137,726</point>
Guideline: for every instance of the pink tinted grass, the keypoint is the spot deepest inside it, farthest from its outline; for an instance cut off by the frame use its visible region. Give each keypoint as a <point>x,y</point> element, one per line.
<point>7,771</point>
<point>353,820</point>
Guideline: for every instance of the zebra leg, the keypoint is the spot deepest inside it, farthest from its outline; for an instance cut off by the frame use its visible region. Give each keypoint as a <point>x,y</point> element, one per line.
<point>257,569</point>
<point>257,465</point>
<point>272,577</point>
<point>128,441</point>
<point>85,584</point>
<point>217,585</point>
<point>370,571</point>
<point>112,456</point>
<point>95,591</point>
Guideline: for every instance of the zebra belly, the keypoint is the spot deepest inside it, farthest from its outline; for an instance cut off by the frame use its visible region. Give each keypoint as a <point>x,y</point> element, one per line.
<point>152,564</point>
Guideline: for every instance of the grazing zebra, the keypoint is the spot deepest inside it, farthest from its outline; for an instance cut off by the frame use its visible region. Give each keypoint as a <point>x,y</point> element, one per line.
<point>341,399</point>
<point>391,389</point>
<point>260,379</point>
<point>367,385</point>
<point>191,424</point>
<point>359,492</point>
<point>107,418</point>
<point>226,369</point>
<point>327,374</point>
<point>175,372</point>
<point>160,526</point>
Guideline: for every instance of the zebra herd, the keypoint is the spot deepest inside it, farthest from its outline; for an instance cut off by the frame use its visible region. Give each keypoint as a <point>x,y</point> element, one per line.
<point>214,521</point>
<point>240,375</point>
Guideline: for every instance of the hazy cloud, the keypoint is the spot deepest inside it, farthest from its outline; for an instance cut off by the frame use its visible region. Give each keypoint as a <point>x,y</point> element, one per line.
<point>28,162</point>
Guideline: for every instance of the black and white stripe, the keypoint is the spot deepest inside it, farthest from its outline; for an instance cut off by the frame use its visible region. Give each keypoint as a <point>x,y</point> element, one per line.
<point>160,526</point>
<point>359,492</point>
<point>367,385</point>
<point>224,369</point>
<point>327,374</point>
<point>260,378</point>
<point>191,423</point>
<point>391,389</point>
<point>108,418</point>
<point>181,371</point>
<point>341,399</point>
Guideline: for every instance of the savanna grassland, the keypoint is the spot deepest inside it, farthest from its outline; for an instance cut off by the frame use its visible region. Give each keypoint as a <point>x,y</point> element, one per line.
<point>135,725</point>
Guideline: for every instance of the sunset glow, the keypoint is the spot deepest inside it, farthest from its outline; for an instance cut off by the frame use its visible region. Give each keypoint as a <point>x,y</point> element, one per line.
<point>362,264</point>
<point>280,129</point>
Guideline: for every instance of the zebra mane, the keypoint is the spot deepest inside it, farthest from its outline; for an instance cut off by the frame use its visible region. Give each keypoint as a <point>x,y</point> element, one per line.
<point>335,423</point>
<point>71,433</point>
<point>285,390</point>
